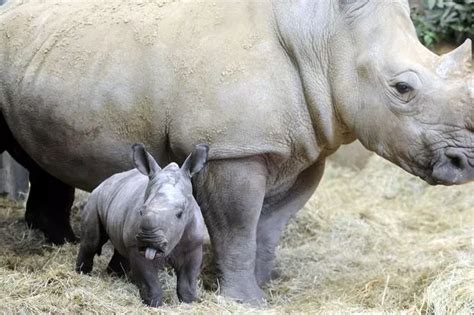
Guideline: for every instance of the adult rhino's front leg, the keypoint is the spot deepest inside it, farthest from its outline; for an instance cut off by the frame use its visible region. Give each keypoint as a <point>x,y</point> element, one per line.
<point>231,194</point>
<point>275,215</point>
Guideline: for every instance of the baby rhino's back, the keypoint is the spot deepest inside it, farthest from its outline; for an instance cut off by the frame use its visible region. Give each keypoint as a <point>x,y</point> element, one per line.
<point>118,200</point>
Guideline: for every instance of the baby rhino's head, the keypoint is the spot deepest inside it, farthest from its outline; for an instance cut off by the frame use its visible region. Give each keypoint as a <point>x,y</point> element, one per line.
<point>169,202</point>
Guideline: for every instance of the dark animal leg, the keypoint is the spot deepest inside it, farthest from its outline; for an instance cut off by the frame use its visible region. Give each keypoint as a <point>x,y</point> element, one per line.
<point>5,135</point>
<point>49,206</point>
<point>49,201</point>
<point>118,265</point>
<point>145,275</point>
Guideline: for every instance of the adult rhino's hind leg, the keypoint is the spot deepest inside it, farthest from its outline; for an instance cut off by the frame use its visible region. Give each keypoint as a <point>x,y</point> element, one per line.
<point>49,200</point>
<point>4,134</point>
<point>49,206</point>
<point>231,193</point>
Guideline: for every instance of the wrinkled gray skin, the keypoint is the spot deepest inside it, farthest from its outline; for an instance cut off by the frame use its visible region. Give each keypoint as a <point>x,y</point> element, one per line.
<point>150,220</point>
<point>273,86</point>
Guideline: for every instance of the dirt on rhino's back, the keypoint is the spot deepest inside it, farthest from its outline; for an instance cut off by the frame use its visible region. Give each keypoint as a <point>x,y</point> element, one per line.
<point>170,74</point>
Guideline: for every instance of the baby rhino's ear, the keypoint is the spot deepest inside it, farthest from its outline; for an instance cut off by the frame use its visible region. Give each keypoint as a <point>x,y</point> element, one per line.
<point>196,160</point>
<point>143,160</point>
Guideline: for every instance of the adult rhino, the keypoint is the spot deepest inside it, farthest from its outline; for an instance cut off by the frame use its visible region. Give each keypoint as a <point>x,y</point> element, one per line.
<point>273,86</point>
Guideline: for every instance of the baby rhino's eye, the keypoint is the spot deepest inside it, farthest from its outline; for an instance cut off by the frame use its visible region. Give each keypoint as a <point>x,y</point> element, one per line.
<point>179,214</point>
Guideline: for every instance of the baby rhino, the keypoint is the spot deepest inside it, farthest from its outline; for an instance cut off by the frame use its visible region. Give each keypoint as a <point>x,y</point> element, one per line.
<point>151,220</point>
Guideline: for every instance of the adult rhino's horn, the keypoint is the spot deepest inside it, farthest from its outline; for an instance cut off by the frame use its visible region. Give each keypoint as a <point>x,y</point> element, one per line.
<point>456,62</point>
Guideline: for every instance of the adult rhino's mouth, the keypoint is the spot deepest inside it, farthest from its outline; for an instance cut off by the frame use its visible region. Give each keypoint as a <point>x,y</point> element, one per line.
<point>454,167</point>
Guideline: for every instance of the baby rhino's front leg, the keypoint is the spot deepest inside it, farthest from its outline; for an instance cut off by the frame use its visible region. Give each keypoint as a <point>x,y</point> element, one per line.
<point>187,265</point>
<point>145,276</point>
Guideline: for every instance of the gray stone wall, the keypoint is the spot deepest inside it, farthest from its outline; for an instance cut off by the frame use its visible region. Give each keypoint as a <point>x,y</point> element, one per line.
<point>13,178</point>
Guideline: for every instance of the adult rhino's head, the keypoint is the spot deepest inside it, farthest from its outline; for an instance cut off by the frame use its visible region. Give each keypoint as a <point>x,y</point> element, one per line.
<point>407,104</point>
<point>169,203</point>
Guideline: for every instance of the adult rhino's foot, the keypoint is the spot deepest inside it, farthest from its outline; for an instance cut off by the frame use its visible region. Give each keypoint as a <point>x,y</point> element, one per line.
<point>49,206</point>
<point>243,291</point>
<point>266,274</point>
<point>57,232</point>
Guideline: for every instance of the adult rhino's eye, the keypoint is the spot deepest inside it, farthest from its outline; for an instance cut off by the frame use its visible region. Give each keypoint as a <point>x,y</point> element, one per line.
<point>403,87</point>
<point>179,214</point>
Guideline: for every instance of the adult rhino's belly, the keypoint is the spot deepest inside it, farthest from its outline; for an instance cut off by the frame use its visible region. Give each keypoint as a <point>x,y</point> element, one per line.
<point>79,126</point>
<point>79,143</point>
<point>79,157</point>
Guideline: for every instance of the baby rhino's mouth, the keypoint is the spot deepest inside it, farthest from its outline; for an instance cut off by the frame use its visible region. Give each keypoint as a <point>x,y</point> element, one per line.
<point>151,243</point>
<point>151,253</point>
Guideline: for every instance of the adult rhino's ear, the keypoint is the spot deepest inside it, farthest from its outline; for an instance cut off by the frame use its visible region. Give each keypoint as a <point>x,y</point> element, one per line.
<point>196,160</point>
<point>143,160</point>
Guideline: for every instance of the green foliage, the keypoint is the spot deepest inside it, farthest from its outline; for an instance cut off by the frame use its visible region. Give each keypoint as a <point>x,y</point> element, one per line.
<point>444,20</point>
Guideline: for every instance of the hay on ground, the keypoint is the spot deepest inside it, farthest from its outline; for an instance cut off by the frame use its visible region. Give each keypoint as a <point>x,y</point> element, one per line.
<point>369,241</point>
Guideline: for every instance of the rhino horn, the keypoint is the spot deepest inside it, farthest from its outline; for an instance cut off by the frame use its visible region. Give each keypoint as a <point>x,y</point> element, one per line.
<point>456,62</point>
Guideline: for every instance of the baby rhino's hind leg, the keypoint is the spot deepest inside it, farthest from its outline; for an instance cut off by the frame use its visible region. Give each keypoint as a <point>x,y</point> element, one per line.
<point>93,237</point>
<point>118,265</point>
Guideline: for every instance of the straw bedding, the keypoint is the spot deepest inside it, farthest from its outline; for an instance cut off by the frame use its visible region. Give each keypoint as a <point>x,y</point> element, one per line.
<point>376,240</point>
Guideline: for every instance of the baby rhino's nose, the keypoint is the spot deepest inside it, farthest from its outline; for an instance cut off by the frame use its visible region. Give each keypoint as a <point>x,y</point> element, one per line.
<point>149,222</point>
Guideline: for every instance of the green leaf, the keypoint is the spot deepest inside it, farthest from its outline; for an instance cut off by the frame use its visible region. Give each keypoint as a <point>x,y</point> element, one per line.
<point>450,20</point>
<point>431,4</point>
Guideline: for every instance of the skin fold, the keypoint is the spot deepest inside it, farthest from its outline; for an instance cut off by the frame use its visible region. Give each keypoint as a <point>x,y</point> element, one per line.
<point>274,87</point>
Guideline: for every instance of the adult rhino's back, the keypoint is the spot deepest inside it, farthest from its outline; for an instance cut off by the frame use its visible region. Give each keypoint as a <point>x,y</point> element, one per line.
<point>101,76</point>
<point>76,89</point>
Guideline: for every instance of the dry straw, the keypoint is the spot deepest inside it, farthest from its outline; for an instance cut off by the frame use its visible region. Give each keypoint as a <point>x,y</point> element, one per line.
<point>373,241</point>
